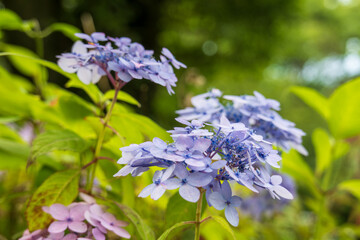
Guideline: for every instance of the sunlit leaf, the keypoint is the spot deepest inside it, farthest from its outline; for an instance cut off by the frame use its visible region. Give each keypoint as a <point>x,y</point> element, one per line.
<point>314,99</point>
<point>143,229</point>
<point>57,140</point>
<point>179,210</point>
<point>67,29</point>
<point>344,119</point>
<point>352,186</point>
<point>9,20</point>
<point>61,187</point>
<point>322,145</point>
<point>169,230</point>
<point>225,225</point>
<point>122,96</point>
<point>92,90</point>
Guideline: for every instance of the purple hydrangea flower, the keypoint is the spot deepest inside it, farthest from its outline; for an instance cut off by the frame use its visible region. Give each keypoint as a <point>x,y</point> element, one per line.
<point>128,60</point>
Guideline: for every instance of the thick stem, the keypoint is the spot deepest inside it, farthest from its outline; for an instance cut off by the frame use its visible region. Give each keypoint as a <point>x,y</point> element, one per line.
<point>100,140</point>
<point>198,215</point>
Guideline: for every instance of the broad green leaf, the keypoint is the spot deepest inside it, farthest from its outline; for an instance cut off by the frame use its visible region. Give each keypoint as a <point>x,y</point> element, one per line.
<point>295,166</point>
<point>352,186</point>
<point>25,66</point>
<point>8,119</point>
<point>9,20</point>
<point>341,148</point>
<point>57,140</point>
<point>169,230</point>
<point>323,148</point>
<point>67,29</point>
<point>9,133</point>
<point>313,98</point>
<point>16,148</point>
<point>179,210</point>
<point>14,82</point>
<point>9,161</point>
<point>61,187</point>
<point>92,90</point>
<point>225,225</point>
<point>145,125</point>
<point>344,103</point>
<point>122,96</point>
<point>143,229</point>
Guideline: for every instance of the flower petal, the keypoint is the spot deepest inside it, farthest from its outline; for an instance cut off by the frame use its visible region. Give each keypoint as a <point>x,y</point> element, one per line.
<point>157,192</point>
<point>232,216</point>
<point>217,200</point>
<point>59,211</point>
<point>199,179</point>
<point>57,227</point>
<point>147,191</point>
<point>79,227</point>
<point>189,193</point>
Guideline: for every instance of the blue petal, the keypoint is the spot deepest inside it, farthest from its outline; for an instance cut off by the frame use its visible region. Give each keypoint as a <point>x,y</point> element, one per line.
<point>189,193</point>
<point>172,183</point>
<point>235,201</point>
<point>157,192</point>
<point>147,191</point>
<point>226,190</point>
<point>181,171</point>
<point>232,216</point>
<point>199,179</point>
<point>217,200</point>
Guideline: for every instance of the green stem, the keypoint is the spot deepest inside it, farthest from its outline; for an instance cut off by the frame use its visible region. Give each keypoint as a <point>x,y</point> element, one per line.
<point>318,224</point>
<point>198,215</point>
<point>100,140</point>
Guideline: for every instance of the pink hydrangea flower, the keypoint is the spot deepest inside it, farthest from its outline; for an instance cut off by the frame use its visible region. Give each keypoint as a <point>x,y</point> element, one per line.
<point>71,217</point>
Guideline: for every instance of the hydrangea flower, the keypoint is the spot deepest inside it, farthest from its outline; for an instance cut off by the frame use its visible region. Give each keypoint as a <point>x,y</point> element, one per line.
<point>255,112</point>
<point>128,60</point>
<point>79,220</point>
<point>209,157</point>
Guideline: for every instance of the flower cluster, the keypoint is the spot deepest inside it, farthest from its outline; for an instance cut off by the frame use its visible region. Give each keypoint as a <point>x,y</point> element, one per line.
<point>207,157</point>
<point>80,220</point>
<point>129,60</point>
<point>261,205</point>
<point>256,112</point>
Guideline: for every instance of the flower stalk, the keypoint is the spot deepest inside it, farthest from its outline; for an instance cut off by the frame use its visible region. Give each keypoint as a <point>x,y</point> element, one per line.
<point>198,215</point>
<point>118,85</point>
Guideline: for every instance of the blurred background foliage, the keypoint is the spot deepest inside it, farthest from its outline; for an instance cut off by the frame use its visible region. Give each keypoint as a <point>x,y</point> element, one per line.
<point>238,47</point>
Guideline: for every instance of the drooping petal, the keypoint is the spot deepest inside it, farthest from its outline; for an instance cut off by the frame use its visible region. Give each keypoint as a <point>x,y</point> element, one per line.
<point>199,179</point>
<point>84,75</point>
<point>98,235</point>
<point>157,192</point>
<point>79,227</point>
<point>189,193</point>
<point>232,216</point>
<point>57,227</point>
<point>217,200</point>
<point>121,232</point>
<point>147,191</point>
<point>282,192</point>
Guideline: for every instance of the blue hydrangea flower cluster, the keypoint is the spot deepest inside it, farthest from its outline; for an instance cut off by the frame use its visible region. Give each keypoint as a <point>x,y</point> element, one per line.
<point>262,206</point>
<point>207,157</point>
<point>256,112</point>
<point>129,60</point>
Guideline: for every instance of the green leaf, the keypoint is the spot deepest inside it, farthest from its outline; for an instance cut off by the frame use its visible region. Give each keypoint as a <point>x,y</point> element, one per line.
<point>8,119</point>
<point>313,98</point>
<point>10,20</point>
<point>25,66</point>
<point>344,119</point>
<point>322,145</point>
<point>169,230</point>
<point>91,90</point>
<point>145,125</point>
<point>352,186</point>
<point>143,229</point>
<point>122,96</point>
<point>295,166</point>
<point>67,29</point>
<point>179,210</point>
<point>61,187</point>
<point>57,140</point>
<point>225,225</point>
<point>15,148</point>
